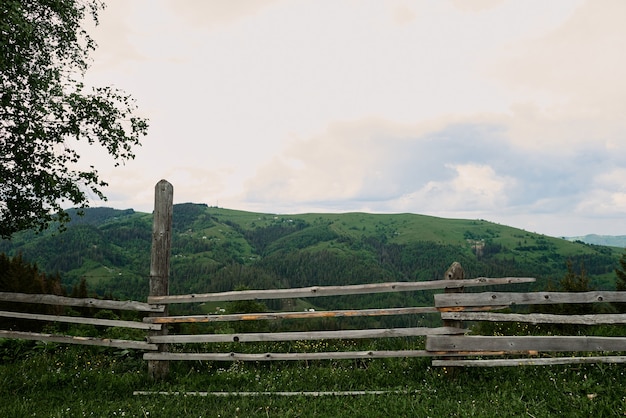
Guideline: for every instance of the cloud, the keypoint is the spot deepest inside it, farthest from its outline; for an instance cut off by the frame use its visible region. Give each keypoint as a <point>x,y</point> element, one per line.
<point>476,5</point>
<point>403,14</point>
<point>581,56</point>
<point>191,184</point>
<point>453,167</point>
<point>474,188</point>
<point>114,36</point>
<point>570,78</point>
<point>503,110</point>
<point>607,197</point>
<point>211,13</point>
<point>375,160</point>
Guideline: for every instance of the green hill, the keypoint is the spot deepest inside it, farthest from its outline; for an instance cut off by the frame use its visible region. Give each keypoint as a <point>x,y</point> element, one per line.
<point>608,240</point>
<point>216,249</point>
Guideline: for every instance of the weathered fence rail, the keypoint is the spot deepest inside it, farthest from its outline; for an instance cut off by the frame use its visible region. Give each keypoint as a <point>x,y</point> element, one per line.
<point>67,339</point>
<point>81,320</point>
<point>315,291</point>
<point>288,315</point>
<point>43,299</point>
<point>538,318</point>
<point>463,307</point>
<point>79,302</point>
<point>447,302</point>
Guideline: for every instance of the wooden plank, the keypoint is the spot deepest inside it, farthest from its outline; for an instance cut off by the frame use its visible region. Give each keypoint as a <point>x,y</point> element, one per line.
<point>529,361</point>
<point>531,298</point>
<point>67,339</point>
<point>301,336</point>
<point>594,319</point>
<point>316,291</point>
<point>282,393</point>
<point>334,355</point>
<point>160,262</point>
<point>454,272</point>
<point>44,299</point>
<point>289,315</point>
<point>480,353</point>
<point>81,320</point>
<point>524,343</point>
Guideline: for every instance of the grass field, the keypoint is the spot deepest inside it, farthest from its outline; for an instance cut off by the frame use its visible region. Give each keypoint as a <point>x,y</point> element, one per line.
<point>61,381</point>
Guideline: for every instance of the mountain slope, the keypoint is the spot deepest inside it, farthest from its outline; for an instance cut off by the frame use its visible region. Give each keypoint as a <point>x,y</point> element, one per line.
<point>608,240</point>
<point>215,249</point>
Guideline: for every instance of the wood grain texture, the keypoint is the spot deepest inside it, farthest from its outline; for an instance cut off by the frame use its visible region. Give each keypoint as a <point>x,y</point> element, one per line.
<point>525,343</point>
<point>81,320</point>
<point>66,339</point>
<point>44,299</point>
<point>301,336</point>
<point>529,298</point>
<point>317,291</point>
<point>334,355</point>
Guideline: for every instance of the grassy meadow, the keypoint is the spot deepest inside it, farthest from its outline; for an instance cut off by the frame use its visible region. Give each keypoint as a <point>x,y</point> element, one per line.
<point>50,380</point>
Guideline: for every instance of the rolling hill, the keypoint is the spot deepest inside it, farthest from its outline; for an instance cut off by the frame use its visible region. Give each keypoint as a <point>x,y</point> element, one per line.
<point>217,249</point>
<point>608,240</point>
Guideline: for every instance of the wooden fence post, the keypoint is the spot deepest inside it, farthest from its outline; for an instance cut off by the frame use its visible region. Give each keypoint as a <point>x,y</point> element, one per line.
<point>454,272</point>
<point>160,263</point>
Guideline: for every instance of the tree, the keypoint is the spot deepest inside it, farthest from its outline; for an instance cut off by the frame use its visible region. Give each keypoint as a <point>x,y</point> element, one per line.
<point>573,282</point>
<point>620,283</point>
<point>46,110</point>
<point>20,276</point>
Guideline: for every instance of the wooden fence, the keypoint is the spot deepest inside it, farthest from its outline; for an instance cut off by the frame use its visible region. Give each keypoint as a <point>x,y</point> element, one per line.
<point>315,291</point>
<point>450,344</point>
<point>157,342</point>
<point>83,303</point>
<point>526,349</point>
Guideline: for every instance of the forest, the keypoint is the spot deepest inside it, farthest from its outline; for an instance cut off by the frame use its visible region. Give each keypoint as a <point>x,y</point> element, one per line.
<point>216,249</point>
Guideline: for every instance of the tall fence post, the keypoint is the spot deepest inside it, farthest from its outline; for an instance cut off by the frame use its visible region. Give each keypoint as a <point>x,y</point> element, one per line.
<point>160,263</point>
<point>454,272</point>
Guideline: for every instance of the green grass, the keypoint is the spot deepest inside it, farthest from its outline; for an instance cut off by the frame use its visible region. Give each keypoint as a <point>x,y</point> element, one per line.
<point>61,381</point>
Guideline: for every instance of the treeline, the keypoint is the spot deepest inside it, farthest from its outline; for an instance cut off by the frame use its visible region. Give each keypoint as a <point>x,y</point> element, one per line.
<point>19,276</point>
<point>212,252</point>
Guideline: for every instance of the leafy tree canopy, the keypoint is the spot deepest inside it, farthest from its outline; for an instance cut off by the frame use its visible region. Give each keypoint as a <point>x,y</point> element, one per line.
<point>46,109</point>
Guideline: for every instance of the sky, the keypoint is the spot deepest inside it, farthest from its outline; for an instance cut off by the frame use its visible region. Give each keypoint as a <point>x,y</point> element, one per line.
<point>505,110</point>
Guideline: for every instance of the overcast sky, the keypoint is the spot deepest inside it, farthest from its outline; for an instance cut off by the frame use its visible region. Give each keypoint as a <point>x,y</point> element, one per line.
<point>509,111</point>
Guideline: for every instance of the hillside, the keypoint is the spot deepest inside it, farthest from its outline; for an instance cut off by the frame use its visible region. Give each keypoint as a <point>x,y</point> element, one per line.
<point>216,249</point>
<point>608,240</point>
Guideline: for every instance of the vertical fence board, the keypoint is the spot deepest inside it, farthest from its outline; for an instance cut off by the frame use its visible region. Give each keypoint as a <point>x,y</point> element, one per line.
<point>454,272</point>
<point>160,262</point>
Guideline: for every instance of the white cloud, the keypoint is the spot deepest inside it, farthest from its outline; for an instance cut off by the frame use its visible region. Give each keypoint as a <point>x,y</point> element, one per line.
<point>608,196</point>
<point>568,83</point>
<point>212,13</point>
<point>476,5</point>
<point>498,109</point>
<point>612,179</point>
<point>372,160</point>
<point>603,203</point>
<point>474,189</point>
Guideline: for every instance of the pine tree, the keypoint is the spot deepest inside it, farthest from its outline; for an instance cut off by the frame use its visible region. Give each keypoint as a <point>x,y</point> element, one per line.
<point>573,282</point>
<point>620,283</point>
